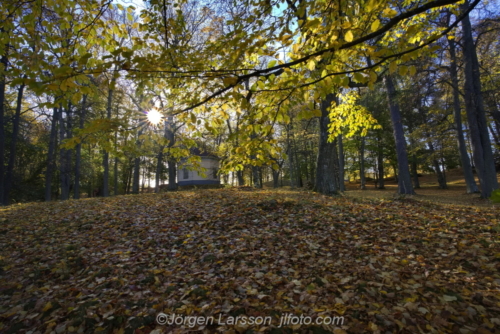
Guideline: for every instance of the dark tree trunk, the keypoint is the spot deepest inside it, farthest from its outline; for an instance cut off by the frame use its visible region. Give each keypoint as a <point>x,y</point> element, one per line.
<point>49,172</point>
<point>143,184</point>
<point>414,171</point>
<point>414,161</point>
<point>115,177</point>
<point>380,164</point>
<point>105,158</point>
<point>105,174</point>
<point>159,165</point>
<point>171,161</point>
<point>4,62</point>
<point>241,179</point>
<point>115,165</point>
<point>63,156</point>
<point>172,175</point>
<point>494,134</point>
<point>362,164</point>
<point>9,176</point>
<point>476,116</point>
<point>341,163</point>
<point>471,186</point>
<point>137,170</point>
<point>256,177</point>
<point>130,170</point>
<point>276,178</point>
<point>298,169</point>
<point>159,162</point>
<point>78,155</point>
<point>327,168</point>
<point>404,178</point>
<point>437,168</point>
<point>291,167</point>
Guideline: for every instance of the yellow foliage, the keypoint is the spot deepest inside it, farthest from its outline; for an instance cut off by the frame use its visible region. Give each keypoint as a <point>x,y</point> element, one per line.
<point>350,116</point>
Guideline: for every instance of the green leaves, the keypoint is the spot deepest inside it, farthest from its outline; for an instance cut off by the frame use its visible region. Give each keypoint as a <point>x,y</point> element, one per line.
<point>495,196</point>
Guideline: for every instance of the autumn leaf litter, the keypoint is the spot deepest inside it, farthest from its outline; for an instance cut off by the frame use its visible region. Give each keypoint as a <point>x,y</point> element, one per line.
<point>111,265</point>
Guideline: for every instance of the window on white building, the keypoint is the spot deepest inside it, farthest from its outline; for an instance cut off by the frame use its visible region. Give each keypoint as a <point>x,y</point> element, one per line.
<point>185,173</point>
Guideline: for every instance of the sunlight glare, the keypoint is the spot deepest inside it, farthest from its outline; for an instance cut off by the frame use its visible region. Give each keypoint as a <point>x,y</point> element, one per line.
<point>154,116</point>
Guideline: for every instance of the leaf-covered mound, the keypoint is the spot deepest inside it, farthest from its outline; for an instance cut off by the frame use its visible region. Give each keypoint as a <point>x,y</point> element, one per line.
<point>111,265</point>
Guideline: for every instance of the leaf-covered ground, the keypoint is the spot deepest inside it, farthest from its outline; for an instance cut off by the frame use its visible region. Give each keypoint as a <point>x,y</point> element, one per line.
<point>112,265</point>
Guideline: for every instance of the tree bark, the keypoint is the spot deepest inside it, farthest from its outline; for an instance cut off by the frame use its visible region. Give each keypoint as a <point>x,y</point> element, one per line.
<point>105,157</point>
<point>440,175</point>
<point>327,169</point>
<point>49,172</point>
<point>159,165</point>
<point>404,178</point>
<point>78,154</point>
<point>136,177</point>
<point>362,164</point>
<point>137,167</point>
<point>63,156</point>
<point>414,171</point>
<point>159,162</point>
<point>470,183</point>
<point>276,178</point>
<point>241,179</point>
<point>341,163</point>
<point>4,62</point>
<point>171,161</point>
<point>9,176</point>
<point>476,115</point>
<point>380,163</point>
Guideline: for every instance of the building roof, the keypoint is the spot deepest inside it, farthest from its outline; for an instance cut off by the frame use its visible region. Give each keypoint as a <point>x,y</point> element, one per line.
<point>202,153</point>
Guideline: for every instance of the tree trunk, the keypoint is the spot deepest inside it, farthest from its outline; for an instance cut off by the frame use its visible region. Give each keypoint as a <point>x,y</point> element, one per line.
<point>327,168</point>
<point>105,158</point>
<point>256,177</point>
<point>115,167</point>
<point>115,177</point>
<point>78,155</point>
<point>471,186</point>
<point>137,170</point>
<point>49,172</point>
<point>241,179</point>
<point>494,135</point>
<point>159,162</point>
<point>63,156</point>
<point>159,165</point>
<point>143,184</point>
<point>341,163</point>
<point>9,176</point>
<point>414,171</point>
<point>137,167</point>
<point>440,175</point>
<point>404,178</point>
<point>362,164</point>
<point>414,164</point>
<point>476,116</point>
<point>4,62</point>
<point>380,164</point>
<point>171,161</point>
<point>276,178</point>
<point>130,170</point>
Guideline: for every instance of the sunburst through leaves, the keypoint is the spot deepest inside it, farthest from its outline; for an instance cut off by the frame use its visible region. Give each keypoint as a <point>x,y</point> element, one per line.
<point>154,116</point>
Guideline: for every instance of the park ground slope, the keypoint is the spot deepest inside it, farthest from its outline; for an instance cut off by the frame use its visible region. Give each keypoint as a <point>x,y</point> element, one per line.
<point>112,265</point>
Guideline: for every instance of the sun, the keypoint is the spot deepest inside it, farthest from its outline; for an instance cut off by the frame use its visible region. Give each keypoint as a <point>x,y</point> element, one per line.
<point>154,116</point>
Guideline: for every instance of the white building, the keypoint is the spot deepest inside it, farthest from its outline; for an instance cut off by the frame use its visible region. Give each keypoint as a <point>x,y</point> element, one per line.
<point>210,163</point>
